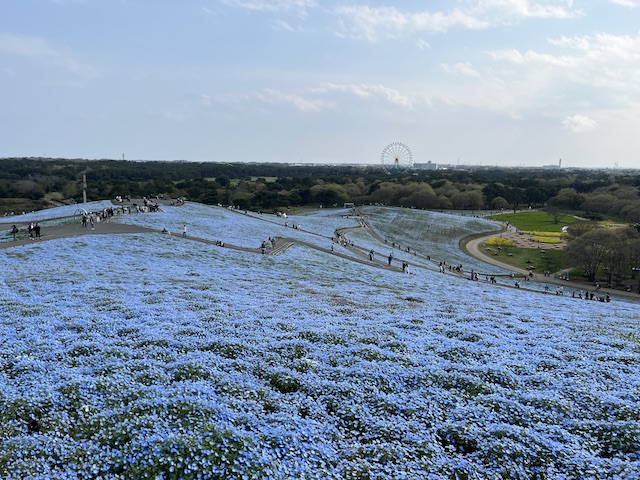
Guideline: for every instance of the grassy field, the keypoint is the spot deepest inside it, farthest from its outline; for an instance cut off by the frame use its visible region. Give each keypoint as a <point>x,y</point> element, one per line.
<point>541,225</point>
<point>536,259</point>
<point>535,221</point>
<point>19,205</point>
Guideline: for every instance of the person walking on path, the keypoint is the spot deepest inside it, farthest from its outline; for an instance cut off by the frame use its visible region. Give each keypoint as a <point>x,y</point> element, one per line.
<point>184,230</point>
<point>14,230</point>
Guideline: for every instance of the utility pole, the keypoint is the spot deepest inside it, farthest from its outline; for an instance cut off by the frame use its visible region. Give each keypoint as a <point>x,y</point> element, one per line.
<point>84,188</point>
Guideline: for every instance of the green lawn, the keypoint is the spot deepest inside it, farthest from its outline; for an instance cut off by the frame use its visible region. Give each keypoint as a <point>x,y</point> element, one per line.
<point>535,221</point>
<point>536,259</point>
<point>19,205</point>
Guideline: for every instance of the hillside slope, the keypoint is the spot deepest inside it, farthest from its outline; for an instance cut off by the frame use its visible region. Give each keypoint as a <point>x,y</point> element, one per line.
<point>154,356</point>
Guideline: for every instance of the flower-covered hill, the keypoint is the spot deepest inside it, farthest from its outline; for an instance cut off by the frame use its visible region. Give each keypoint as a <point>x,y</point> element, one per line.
<point>55,213</point>
<point>153,356</point>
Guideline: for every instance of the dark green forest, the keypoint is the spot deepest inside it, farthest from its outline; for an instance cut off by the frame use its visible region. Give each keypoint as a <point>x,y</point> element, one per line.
<point>30,182</point>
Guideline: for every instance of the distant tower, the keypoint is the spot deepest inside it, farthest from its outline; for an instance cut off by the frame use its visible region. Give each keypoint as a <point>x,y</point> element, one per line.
<point>560,163</point>
<point>84,188</point>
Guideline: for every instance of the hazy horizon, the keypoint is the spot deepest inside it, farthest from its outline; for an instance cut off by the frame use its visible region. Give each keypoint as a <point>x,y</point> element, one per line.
<point>299,81</point>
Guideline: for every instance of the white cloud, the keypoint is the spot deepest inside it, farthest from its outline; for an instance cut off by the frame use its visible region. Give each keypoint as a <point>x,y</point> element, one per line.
<point>40,50</point>
<point>461,68</point>
<point>603,46</point>
<point>531,58</point>
<point>422,44</point>
<point>300,7</point>
<point>286,26</point>
<point>374,24</point>
<point>578,43</point>
<point>626,3</point>
<point>579,123</point>
<point>206,100</point>
<point>314,99</point>
<point>381,23</point>
<point>387,94</point>
<point>601,60</point>
<point>511,10</point>
<point>596,73</point>
<point>299,102</point>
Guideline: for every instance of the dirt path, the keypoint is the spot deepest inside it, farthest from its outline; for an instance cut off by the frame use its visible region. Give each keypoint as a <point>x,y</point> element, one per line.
<point>472,247</point>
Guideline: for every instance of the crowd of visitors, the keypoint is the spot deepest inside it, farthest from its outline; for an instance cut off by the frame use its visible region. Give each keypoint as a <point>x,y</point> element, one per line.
<point>90,219</point>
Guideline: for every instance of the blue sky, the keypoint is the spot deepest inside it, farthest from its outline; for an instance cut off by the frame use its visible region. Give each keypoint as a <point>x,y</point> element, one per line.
<point>492,82</point>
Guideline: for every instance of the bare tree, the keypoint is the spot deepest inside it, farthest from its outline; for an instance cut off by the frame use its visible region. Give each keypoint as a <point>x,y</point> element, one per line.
<point>555,213</point>
<point>588,252</point>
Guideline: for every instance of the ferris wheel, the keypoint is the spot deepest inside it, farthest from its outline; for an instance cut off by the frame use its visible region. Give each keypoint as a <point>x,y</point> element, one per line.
<point>396,158</point>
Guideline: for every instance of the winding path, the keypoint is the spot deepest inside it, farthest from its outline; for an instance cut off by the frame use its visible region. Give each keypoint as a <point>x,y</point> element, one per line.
<point>71,230</point>
<point>359,254</point>
<point>472,247</point>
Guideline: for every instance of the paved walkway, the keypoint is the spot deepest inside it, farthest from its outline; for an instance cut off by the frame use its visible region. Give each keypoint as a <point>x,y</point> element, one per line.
<point>71,230</point>
<point>74,230</point>
<point>472,247</point>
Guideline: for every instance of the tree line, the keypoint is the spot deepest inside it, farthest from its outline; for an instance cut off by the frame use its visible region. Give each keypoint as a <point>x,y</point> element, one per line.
<point>590,194</point>
<point>611,254</point>
<point>273,186</point>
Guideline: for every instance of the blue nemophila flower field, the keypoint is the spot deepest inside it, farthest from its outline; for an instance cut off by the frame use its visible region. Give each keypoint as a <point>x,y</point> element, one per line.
<point>55,213</point>
<point>153,356</point>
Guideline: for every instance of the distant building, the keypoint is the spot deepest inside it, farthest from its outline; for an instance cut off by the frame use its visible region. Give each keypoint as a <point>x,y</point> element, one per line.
<point>427,166</point>
<point>553,167</point>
